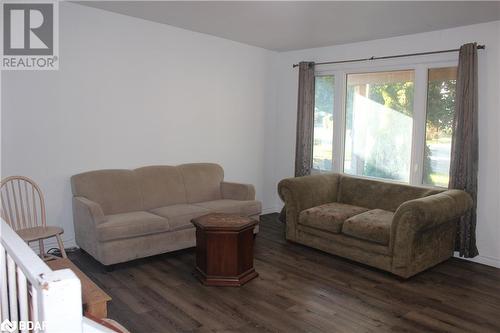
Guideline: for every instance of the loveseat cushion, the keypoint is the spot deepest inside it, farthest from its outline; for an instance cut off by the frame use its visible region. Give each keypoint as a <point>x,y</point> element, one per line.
<point>116,191</point>
<point>180,216</point>
<point>161,185</point>
<point>133,224</point>
<point>202,181</point>
<point>330,216</point>
<point>375,194</point>
<point>228,206</point>
<point>373,225</point>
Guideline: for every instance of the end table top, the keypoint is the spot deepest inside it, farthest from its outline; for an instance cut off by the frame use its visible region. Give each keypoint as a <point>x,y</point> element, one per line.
<point>223,222</point>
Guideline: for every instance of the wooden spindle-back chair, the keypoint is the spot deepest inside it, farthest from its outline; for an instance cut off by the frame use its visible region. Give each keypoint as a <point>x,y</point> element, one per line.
<point>23,208</point>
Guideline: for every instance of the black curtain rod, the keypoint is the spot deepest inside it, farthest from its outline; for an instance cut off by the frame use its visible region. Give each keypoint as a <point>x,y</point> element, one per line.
<point>479,47</point>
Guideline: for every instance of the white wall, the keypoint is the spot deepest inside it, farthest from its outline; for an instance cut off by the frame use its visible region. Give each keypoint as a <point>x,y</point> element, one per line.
<point>488,229</point>
<point>131,93</point>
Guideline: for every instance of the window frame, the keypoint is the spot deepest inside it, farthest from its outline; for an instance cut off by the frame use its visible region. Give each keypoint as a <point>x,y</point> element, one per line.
<point>420,65</point>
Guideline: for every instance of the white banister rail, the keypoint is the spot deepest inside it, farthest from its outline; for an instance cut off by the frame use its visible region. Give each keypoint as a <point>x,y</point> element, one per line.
<point>33,298</point>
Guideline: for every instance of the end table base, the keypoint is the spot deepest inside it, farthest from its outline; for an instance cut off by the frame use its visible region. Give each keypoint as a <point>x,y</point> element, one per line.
<point>225,281</point>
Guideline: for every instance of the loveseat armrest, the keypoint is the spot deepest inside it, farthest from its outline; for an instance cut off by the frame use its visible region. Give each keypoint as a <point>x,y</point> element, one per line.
<point>308,191</point>
<point>423,220</point>
<point>237,191</point>
<point>87,211</point>
<point>87,215</point>
<point>432,210</point>
<point>301,193</point>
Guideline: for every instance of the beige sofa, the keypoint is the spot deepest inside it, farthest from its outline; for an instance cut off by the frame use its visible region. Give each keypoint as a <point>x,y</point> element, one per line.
<point>398,228</point>
<point>121,215</point>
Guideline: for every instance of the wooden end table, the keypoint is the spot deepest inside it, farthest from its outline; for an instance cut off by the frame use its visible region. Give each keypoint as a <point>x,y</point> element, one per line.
<point>224,249</point>
<point>94,299</point>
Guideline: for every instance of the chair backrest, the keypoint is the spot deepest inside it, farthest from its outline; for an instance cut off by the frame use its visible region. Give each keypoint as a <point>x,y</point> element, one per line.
<point>22,203</point>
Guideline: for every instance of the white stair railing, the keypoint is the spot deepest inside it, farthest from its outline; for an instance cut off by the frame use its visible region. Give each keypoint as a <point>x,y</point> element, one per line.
<point>33,298</point>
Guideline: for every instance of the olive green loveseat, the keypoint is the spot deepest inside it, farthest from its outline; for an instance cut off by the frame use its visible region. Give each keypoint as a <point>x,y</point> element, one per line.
<point>398,228</point>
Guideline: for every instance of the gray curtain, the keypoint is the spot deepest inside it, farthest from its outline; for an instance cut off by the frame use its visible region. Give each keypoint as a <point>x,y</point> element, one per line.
<point>305,123</point>
<point>464,146</point>
<point>305,120</point>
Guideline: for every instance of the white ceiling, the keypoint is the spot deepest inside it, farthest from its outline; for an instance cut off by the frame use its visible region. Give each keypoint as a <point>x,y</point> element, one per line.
<point>285,25</point>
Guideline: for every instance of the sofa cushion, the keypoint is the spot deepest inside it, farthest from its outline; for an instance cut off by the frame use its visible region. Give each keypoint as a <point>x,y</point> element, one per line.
<point>374,194</point>
<point>180,216</point>
<point>329,217</point>
<point>373,225</point>
<point>116,191</point>
<point>133,224</point>
<point>202,181</point>
<point>228,206</point>
<point>161,186</point>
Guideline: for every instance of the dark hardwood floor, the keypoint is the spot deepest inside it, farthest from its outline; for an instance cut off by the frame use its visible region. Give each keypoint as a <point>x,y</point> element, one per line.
<point>298,290</point>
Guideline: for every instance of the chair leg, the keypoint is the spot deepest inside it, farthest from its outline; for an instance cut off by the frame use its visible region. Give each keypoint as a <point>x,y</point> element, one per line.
<point>41,248</point>
<point>61,246</point>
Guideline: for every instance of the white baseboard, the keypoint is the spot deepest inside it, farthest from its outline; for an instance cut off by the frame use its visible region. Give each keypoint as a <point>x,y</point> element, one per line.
<point>52,243</point>
<point>485,260</point>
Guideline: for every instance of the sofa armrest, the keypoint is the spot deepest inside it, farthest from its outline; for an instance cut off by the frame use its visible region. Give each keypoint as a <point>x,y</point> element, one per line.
<point>87,211</point>
<point>87,215</point>
<point>416,216</point>
<point>308,191</point>
<point>301,193</point>
<point>237,191</point>
<point>432,210</point>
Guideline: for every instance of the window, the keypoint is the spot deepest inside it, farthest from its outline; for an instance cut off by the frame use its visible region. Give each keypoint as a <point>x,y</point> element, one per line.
<point>393,123</point>
<point>439,123</point>
<point>323,123</point>
<point>379,122</point>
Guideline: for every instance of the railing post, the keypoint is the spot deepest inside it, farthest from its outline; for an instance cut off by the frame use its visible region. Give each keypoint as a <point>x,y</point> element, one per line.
<point>60,300</point>
<point>50,301</point>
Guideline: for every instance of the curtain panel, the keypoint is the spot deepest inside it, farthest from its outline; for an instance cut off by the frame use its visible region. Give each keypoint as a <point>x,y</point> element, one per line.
<point>465,146</point>
<point>305,124</point>
<point>305,120</point>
